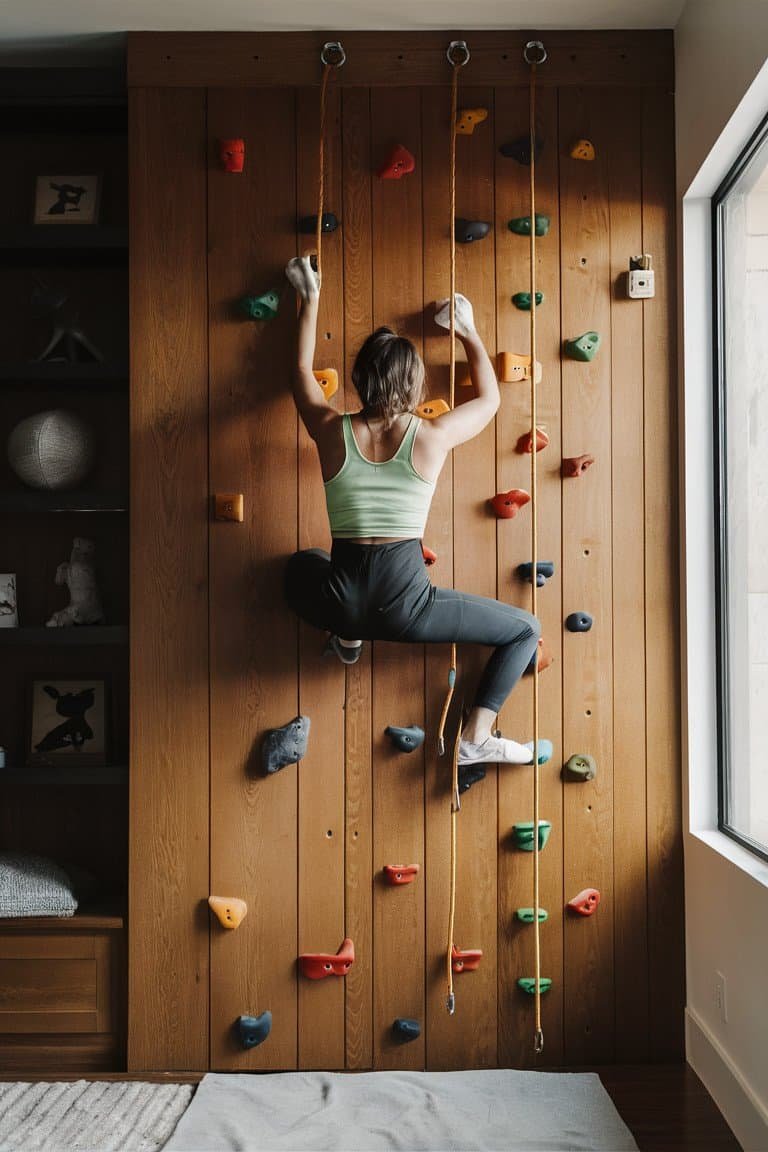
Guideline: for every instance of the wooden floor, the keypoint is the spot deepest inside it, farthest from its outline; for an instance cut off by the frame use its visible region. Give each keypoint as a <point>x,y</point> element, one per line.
<point>666,1106</point>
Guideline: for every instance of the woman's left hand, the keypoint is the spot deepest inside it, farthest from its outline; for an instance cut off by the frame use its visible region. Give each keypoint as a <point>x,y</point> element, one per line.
<point>303,277</point>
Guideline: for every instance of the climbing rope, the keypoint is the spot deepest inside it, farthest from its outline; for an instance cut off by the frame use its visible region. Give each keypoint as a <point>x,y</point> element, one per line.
<point>534,53</point>
<point>458,56</point>
<point>332,56</point>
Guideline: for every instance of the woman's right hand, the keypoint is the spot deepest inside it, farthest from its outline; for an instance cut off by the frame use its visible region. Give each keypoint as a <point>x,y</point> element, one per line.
<point>303,277</point>
<point>464,317</point>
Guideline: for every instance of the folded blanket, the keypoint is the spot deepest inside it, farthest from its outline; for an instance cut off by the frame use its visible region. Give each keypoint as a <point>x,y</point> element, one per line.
<point>34,886</point>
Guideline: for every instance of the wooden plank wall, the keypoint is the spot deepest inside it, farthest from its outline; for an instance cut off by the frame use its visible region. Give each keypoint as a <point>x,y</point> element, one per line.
<point>306,847</point>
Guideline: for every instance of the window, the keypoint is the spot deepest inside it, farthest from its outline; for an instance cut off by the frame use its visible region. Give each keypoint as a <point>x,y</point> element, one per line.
<point>740,228</point>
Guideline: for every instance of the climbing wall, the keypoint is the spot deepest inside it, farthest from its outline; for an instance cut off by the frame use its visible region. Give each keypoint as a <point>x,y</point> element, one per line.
<point>217,659</point>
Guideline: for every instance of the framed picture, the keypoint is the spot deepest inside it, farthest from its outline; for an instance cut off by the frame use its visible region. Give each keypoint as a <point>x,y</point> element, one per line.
<point>67,199</point>
<point>69,722</point>
<point>9,617</point>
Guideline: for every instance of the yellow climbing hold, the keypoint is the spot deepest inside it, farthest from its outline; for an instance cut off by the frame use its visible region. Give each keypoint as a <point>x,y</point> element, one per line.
<point>583,150</point>
<point>468,119</point>
<point>229,910</point>
<point>328,379</point>
<point>432,408</point>
<point>513,368</point>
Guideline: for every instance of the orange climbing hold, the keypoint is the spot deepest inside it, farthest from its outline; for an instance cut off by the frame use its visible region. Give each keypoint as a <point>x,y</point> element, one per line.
<point>506,505</point>
<point>525,443</point>
<point>541,659</point>
<point>468,120</point>
<point>583,150</point>
<point>465,960</point>
<point>577,465</point>
<point>432,408</point>
<point>401,873</point>
<point>398,164</point>
<point>229,910</point>
<point>429,556</point>
<point>328,379</point>
<point>318,965</point>
<point>586,902</point>
<point>513,368</point>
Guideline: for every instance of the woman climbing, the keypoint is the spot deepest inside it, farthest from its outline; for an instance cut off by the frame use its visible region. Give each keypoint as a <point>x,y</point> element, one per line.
<point>380,466</point>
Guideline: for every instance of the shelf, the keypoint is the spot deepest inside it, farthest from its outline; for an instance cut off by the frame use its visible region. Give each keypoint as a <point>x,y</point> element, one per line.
<point>78,634</point>
<point>53,373</point>
<point>62,773</point>
<point>81,237</point>
<point>80,922</point>
<point>74,501</point>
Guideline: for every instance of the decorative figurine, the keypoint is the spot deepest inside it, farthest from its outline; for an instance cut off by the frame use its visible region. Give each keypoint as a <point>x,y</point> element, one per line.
<point>80,577</point>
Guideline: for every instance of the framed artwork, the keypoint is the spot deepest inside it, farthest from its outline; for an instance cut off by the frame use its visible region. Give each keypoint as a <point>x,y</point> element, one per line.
<point>9,617</point>
<point>68,722</point>
<point>67,199</point>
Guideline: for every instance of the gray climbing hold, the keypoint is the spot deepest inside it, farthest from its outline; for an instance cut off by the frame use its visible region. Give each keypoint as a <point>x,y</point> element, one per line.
<point>466,231</point>
<point>520,149</point>
<point>254,1030</point>
<point>406,1029</point>
<point>406,739</point>
<point>545,569</point>
<point>286,745</point>
<point>578,622</point>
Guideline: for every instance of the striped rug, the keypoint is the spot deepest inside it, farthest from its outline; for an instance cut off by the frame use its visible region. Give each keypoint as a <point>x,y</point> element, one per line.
<point>89,1116</point>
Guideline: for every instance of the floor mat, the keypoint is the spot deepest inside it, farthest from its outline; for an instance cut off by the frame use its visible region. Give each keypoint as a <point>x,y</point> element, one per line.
<point>431,1111</point>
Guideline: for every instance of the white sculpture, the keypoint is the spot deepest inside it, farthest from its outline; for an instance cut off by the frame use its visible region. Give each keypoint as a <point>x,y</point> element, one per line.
<point>80,577</point>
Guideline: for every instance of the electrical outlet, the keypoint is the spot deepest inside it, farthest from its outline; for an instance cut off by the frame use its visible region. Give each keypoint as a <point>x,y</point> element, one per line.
<point>718,996</point>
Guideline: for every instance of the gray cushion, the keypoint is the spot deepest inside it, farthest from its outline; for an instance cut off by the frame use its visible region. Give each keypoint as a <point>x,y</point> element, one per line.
<point>34,886</point>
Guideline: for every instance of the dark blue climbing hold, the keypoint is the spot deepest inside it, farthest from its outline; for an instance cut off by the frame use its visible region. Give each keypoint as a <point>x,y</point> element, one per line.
<point>308,224</point>
<point>520,149</point>
<point>578,622</point>
<point>470,774</point>
<point>545,569</point>
<point>286,745</point>
<point>466,231</point>
<point>406,739</point>
<point>254,1030</point>
<point>406,1029</point>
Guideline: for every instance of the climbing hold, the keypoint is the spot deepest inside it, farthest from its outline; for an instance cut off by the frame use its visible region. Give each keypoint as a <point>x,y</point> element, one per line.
<point>542,656</point>
<point>528,984</point>
<point>262,307</point>
<point>398,164</point>
<point>467,960</point>
<point>286,745</point>
<point>586,902</point>
<point>429,556</point>
<point>470,774</point>
<point>580,767</point>
<point>406,739</point>
<point>468,119</point>
<point>232,155</point>
<point>526,915</point>
<point>318,965</point>
<point>430,409</point>
<point>583,347</point>
<point>514,367</point>
<point>522,300</point>
<point>254,1030</point>
<point>578,622</point>
<point>401,873</point>
<point>522,834</point>
<point>545,569</point>
<point>576,466</point>
<point>328,379</point>
<point>545,749</point>
<point>583,150</point>
<point>466,231</point>
<point>229,910</point>
<point>520,149</point>
<point>308,224</point>
<point>521,225</point>
<point>525,443</point>
<point>506,505</point>
<point>406,1029</point>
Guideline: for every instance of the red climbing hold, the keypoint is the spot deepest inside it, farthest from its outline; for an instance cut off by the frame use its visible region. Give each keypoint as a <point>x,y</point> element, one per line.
<point>577,465</point>
<point>508,504</point>
<point>398,164</point>
<point>429,556</point>
<point>586,902</point>
<point>465,960</point>
<point>232,155</point>
<point>401,873</point>
<point>525,443</point>
<point>317,965</point>
<point>542,658</point>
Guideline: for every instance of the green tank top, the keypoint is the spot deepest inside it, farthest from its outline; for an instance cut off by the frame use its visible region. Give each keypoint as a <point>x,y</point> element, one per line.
<point>387,498</point>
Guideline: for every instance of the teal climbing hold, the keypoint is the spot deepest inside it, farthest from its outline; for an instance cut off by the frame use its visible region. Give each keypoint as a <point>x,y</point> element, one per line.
<point>522,300</point>
<point>583,347</point>
<point>522,834</point>
<point>521,225</point>
<point>545,749</point>
<point>528,984</point>
<point>254,1030</point>
<point>406,1029</point>
<point>406,739</point>
<point>262,307</point>
<point>526,915</point>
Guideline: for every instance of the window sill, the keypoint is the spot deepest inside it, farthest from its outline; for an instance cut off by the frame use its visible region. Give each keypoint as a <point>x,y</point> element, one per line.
<point>732,851</point>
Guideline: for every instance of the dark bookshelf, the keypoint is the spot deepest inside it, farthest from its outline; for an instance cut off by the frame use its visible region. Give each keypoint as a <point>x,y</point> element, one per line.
<point>32,500</point>
<point>77,634</point>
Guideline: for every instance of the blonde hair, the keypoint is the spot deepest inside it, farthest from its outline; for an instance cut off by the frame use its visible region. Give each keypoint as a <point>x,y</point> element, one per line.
<point>388,375</point>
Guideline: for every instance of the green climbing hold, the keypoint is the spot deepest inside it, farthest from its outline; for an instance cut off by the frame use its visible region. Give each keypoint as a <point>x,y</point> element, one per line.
<point>583,347</point>
<point>262,307</point>
<point>580,767</point>
<point>528,984</point>
<point>523,834</point>
<point>526,915</point>
<point>522,300</point>
<point>521,225</point>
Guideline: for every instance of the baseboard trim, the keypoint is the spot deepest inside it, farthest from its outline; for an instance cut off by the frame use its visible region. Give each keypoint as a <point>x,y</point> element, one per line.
<point>734,1096</point>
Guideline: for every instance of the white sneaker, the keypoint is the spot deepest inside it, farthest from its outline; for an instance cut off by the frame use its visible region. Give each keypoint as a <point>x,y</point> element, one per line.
<point>494,750</point>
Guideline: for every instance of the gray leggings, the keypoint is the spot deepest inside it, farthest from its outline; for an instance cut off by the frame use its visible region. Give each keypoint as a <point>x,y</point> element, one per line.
<point>382,592</point>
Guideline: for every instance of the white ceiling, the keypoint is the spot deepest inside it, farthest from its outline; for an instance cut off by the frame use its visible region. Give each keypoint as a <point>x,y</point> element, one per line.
<point>92,28</point>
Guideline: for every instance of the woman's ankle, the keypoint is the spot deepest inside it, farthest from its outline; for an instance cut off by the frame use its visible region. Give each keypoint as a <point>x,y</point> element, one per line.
<point>478,725</point>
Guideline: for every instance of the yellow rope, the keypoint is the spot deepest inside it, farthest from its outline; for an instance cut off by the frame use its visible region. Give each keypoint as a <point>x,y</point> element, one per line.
<point>321,169</point>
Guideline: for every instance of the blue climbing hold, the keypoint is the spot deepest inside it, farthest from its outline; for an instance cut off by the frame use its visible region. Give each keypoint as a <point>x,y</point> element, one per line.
<point>520,149</point>
<point>470,774</point>
<point>308,224</point>
<point>578,622</point>
<point>545,569</point>
<point>254,1030</point>
<point>406,1029</point>
<point>406,739</point>
<point>545,749</point>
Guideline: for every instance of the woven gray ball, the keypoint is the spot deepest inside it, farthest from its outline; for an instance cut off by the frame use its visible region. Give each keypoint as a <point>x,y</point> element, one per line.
<point>51,449</point>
